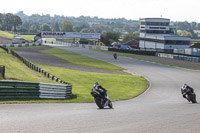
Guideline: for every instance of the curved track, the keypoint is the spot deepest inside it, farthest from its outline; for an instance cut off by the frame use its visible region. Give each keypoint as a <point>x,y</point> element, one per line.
<point>161,109</point>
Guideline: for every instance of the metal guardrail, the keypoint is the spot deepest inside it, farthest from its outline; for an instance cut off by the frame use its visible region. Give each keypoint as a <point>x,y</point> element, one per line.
<point>33,90</point>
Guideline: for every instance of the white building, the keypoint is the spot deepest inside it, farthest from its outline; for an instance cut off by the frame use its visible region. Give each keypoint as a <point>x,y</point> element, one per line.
<point>156,33</point>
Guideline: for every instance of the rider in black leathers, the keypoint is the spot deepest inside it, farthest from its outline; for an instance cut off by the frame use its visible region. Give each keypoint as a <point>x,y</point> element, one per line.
<point>185,89</point>
<point>102,90</point>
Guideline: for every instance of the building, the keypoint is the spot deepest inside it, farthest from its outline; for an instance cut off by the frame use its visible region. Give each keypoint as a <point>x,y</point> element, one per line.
<point>156,33</point>
<point>132,43</point>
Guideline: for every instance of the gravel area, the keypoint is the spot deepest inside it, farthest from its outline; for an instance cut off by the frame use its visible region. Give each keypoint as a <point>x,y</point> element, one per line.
<point>35,56</point>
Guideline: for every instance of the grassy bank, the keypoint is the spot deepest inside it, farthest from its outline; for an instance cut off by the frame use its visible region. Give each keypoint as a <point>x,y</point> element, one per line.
<point>16,70</point>
<point>78,59</point>
<point>119,86</point>
<point>6,35</point>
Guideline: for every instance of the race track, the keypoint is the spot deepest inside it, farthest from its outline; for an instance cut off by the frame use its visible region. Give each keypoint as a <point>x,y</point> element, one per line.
<point>161,109</point>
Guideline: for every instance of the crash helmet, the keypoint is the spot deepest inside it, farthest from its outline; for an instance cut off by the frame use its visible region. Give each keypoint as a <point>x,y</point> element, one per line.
<point>96,84</point>
<point>185,85</point>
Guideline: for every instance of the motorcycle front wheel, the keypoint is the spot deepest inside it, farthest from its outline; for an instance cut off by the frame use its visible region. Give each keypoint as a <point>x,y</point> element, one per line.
<point>99,102</point>
<point>110,104</point>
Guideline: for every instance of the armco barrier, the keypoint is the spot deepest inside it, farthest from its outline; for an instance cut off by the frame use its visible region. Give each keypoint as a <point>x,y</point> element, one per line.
<point>32,90</point>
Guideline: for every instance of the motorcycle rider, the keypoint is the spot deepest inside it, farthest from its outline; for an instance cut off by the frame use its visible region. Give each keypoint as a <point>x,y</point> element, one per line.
<point>115,55</point>
<point>185,89</point>
<point>102,90</point>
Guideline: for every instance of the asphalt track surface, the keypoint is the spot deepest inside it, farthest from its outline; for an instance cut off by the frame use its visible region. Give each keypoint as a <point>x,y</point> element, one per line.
<point>161,109</point>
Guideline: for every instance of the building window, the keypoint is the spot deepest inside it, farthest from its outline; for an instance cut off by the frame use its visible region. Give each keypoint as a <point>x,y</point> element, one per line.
<point>177,42</point>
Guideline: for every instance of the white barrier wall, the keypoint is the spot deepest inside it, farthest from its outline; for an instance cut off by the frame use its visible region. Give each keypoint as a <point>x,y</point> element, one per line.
<point>19,45</point>
<point>82,45</point>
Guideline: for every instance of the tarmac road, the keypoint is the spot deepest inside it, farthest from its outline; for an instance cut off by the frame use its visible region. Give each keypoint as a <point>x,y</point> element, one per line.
<point>161,109</point>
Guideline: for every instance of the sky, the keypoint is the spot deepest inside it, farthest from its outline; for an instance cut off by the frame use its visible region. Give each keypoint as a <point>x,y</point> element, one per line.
<point>175,10</point>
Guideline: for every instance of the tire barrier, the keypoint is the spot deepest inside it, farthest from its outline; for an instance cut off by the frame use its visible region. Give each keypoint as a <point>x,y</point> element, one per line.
<point>33,90</point>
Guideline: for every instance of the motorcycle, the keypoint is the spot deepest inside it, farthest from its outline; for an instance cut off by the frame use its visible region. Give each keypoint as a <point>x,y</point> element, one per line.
<point>115,56</point>
<point>188,93</point>
<point>100,100</point>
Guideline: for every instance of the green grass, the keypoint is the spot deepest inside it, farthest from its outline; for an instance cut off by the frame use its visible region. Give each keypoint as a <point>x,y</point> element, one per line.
<point>27,37</point>
<point>5,34</point>
<point>78,59</point>
<point>16,70</point>
<point>119,86</point>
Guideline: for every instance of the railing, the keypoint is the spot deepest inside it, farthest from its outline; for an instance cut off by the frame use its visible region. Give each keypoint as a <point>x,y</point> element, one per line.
<point>36,68</point>
<point>32,90</point>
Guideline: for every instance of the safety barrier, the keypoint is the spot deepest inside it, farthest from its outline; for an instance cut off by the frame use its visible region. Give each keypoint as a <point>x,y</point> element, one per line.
<point>33,90</point>
<point>80,45</point>
<point>179,57</point>
<point>19,45</point>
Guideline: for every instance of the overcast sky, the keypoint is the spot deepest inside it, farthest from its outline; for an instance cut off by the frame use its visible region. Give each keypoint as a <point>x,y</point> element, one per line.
<point>176,10</point>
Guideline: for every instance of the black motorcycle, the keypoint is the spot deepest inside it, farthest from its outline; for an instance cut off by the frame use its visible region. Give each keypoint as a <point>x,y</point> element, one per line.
<point>115,56</point>
<point>188,93</point>
<point>101,100</point>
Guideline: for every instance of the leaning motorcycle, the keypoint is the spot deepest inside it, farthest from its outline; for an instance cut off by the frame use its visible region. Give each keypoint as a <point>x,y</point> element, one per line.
<point>100,100</point>
<point>189,94</point>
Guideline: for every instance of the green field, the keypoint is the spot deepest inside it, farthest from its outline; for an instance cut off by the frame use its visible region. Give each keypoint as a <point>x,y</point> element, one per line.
<point>119,86</point>
<point>6,35</point>
<point>80,59</point>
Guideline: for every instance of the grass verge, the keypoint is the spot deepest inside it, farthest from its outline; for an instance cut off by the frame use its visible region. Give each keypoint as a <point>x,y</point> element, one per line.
<point>6,35</point>
<point>78,59</point>
<point>119,86</point>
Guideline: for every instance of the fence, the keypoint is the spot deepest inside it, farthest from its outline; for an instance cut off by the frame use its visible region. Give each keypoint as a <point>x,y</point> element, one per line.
<point>141,52</point>
<point>2,71</point>
<point>36,68</point>
<point>32,90</point>
<point>179,57</point>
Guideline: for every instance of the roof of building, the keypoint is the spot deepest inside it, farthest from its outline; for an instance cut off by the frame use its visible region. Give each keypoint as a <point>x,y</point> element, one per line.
<point>196,45</point>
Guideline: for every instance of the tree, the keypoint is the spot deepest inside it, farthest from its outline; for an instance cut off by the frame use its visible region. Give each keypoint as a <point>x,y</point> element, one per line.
<point>45,27</point>
<point>1,20</point>
<point>67,26</point>
<point>33,28</point>
<point>16,22</point>
<point>134,35</point>
<point>184,33</point>
<point>111,36</point>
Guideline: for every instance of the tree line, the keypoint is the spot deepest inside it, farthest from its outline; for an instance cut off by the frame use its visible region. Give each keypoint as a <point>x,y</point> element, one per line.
<point>111,29</point>
<point>9,22</point>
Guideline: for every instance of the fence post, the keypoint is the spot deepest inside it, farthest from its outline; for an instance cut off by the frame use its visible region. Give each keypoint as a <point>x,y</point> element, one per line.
<point>2,71</point>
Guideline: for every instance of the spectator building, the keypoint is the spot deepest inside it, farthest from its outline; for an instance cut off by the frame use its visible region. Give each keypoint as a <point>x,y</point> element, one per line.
<point>157,34</point>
